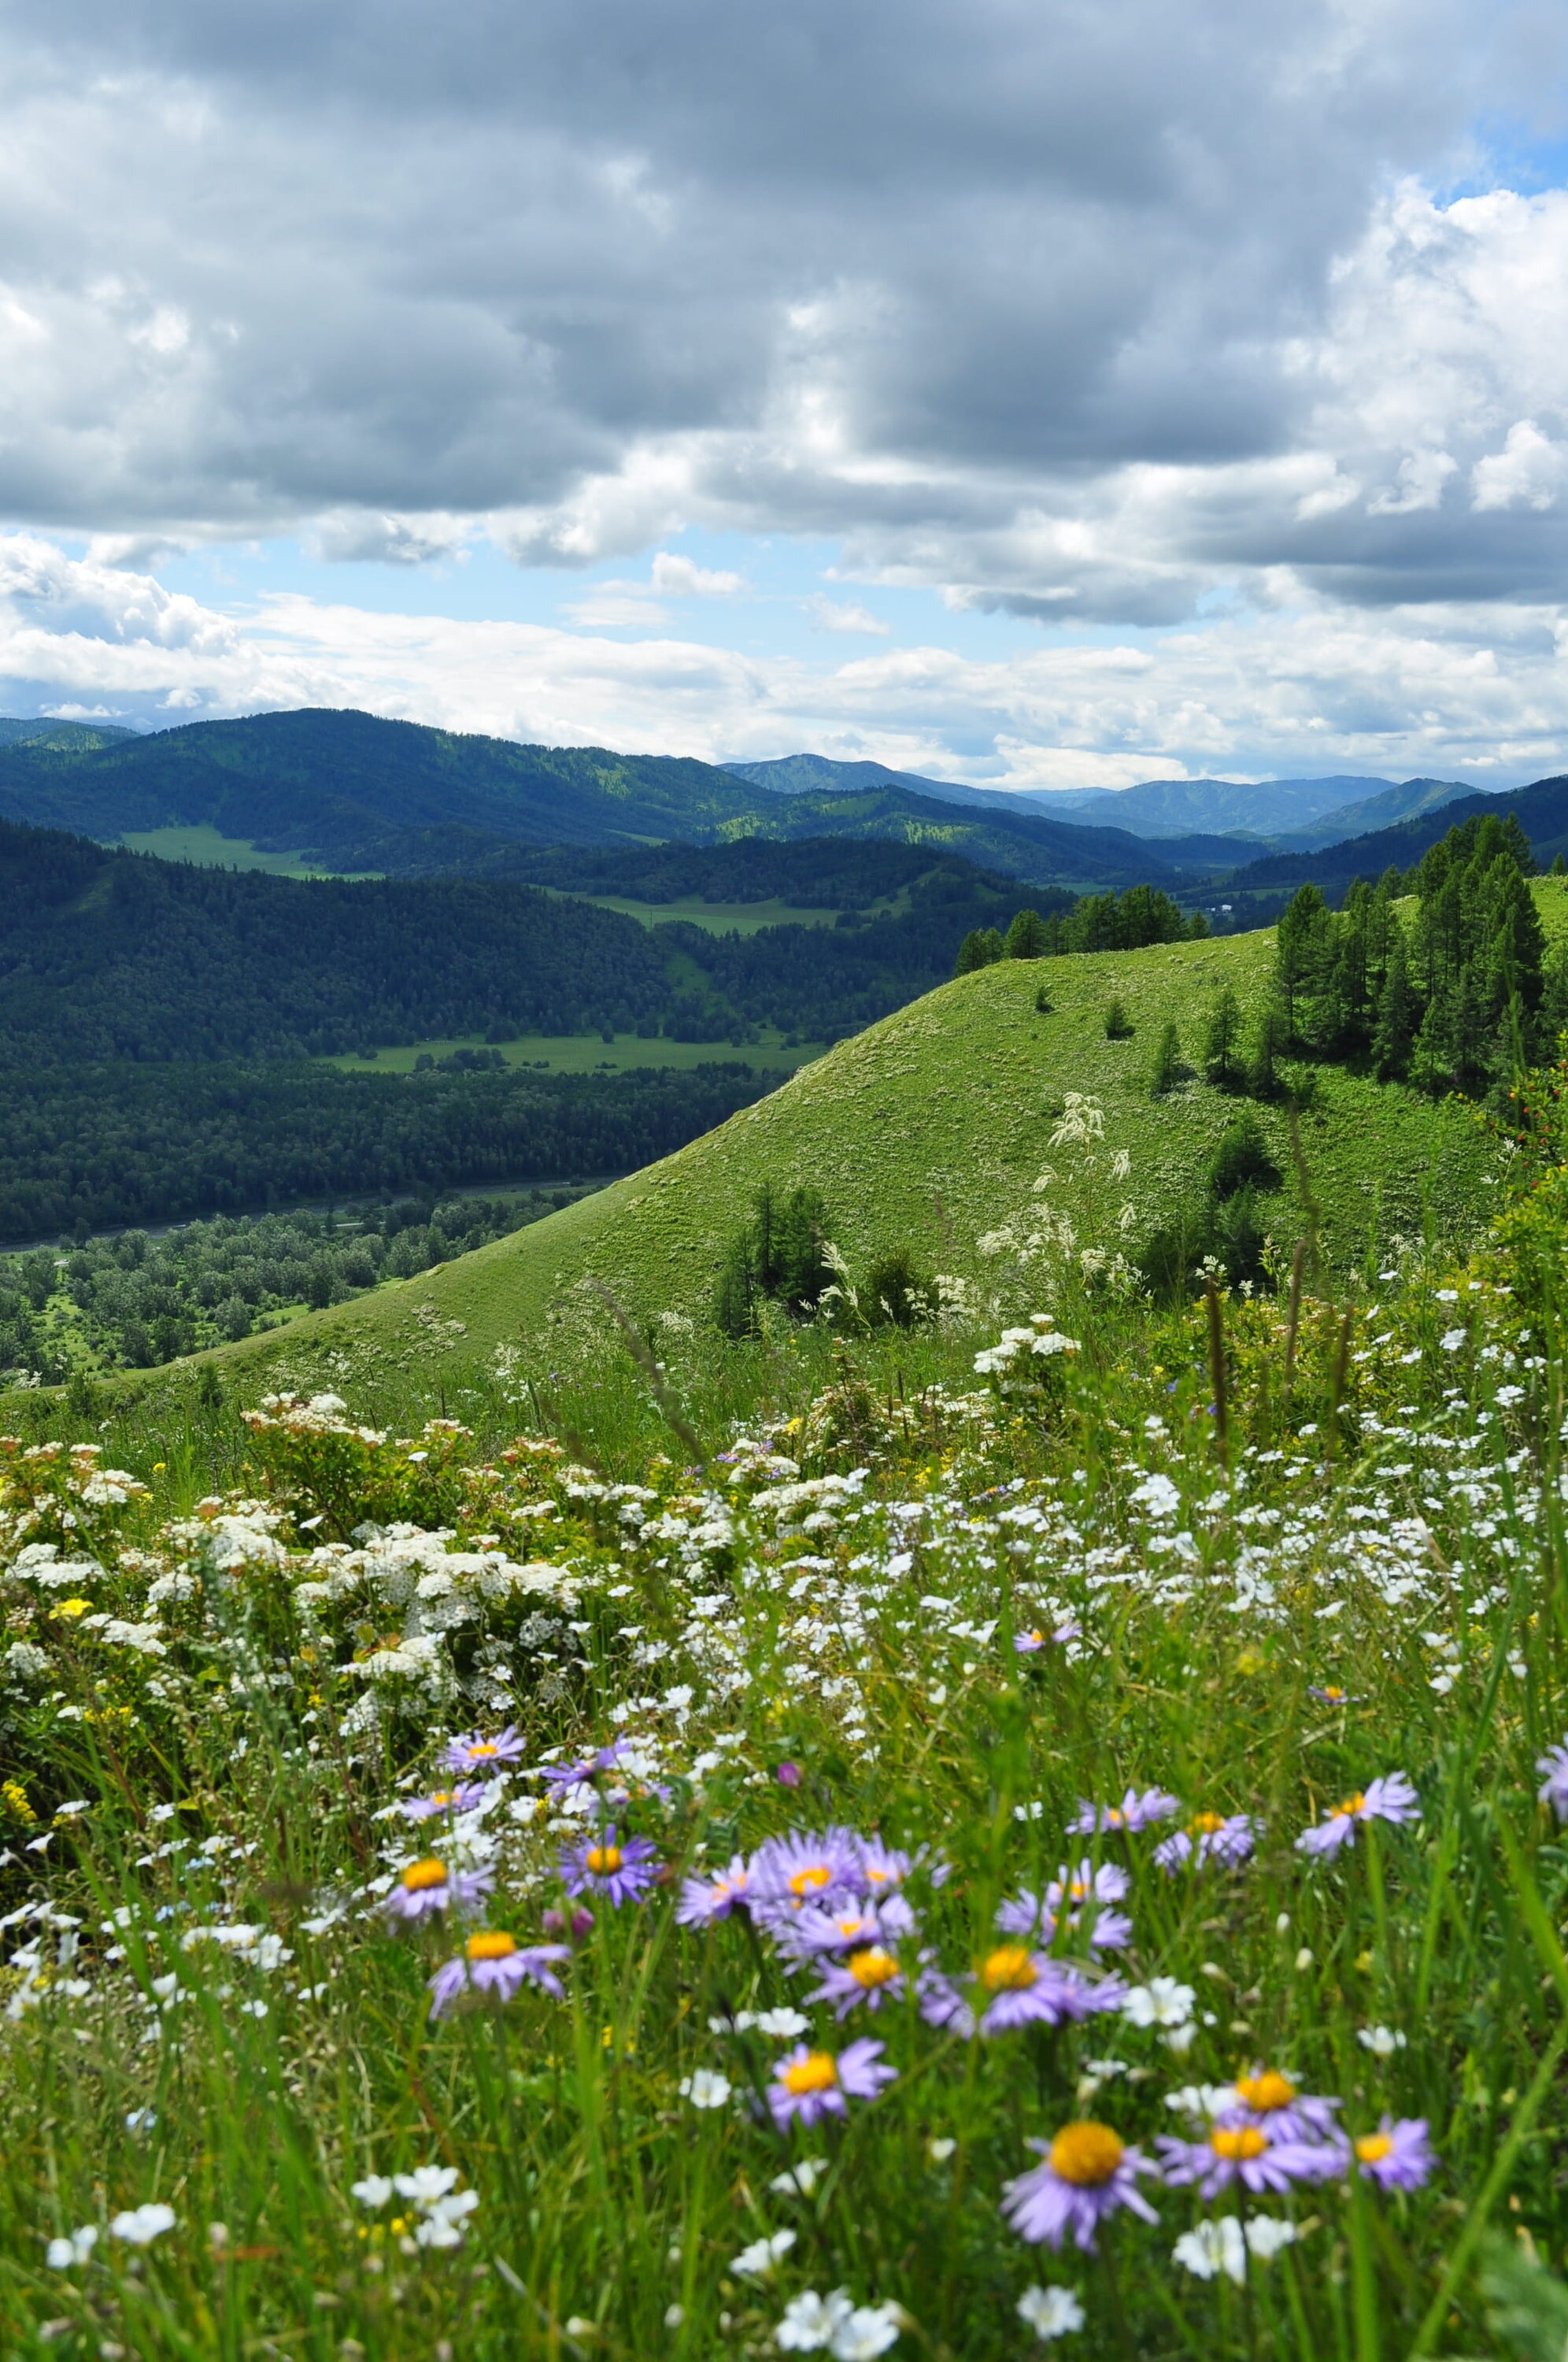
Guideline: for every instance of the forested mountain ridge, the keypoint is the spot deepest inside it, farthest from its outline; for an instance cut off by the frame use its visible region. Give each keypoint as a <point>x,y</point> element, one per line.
<point>1540,809</point>
<point>356,794</point>
<point>106,955</point>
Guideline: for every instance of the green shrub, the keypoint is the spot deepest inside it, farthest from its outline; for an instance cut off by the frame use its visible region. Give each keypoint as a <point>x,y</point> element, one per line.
<point>1242,1160</point>
<point>1118,1025</point>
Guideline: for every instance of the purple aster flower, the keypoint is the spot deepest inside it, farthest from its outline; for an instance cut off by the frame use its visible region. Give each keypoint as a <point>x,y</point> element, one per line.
<point>1272,2103</point>
<point>426,1886</point>
<point>715,1895</point>
<point>474,1753</point>
<point>1398,2156</point>
<point>1135,1812</point>
<point>870,1974</point>
<point>1391,1798</point>
<point>1026,1643</point>
<point>789,1873</point>
<point>811,2084</point>
<point>1247,2153</point>
<point>1014,1986</point>
<point>1026,1915</point>
<point>444,1800</point>
<point>1209,1839</point>
<point>492,1965</point>
<point>1554,1790</point>
<point>788,1775</point>
<point>1086,2173</point>
<point>1331,1695</point>
<point>845,1928</point>
<point>1030,1989</point>
<point>572,1775</point>
<point>882,1867</point>
<point>604,1865</point>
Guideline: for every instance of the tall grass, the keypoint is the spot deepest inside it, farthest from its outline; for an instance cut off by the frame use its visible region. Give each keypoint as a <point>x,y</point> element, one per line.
<point>1356,1567</point>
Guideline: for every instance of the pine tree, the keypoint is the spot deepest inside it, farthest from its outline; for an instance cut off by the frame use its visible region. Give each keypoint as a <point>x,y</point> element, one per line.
<point>1027,937</point>
<point>1302,945</point>
<point>1221,1056</point>
<point>1165,1073</point>
<point>1118,1027</point>
<point>1396,1012</point>
<point>1263,1075</point>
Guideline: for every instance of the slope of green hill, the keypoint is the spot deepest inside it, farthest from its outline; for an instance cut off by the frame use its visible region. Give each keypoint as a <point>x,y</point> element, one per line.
<point>931,1131</point>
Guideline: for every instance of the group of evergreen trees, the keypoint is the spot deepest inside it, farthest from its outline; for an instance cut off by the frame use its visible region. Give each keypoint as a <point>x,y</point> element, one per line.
<point>1454,994</point>
<point>1097,923</point>
<point>1457,997</point>
<point>133,1301</point>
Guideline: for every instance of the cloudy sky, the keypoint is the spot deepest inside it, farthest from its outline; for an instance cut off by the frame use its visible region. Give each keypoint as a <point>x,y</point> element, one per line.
<point>1046,392</point>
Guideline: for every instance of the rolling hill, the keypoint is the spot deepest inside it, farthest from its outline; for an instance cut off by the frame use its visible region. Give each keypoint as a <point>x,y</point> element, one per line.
<point>930,1129</point>
<point>351,793</point>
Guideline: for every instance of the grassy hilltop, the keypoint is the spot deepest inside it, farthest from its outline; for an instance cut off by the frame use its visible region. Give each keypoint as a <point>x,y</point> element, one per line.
<point>930,1131</point>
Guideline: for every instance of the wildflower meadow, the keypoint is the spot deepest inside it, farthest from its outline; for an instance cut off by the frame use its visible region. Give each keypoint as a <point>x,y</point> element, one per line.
<point>1042,1832</point>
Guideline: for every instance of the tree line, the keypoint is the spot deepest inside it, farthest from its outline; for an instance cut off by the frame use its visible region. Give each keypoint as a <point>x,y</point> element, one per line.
<point>81,1150</point>
<point>1094,923</point>
<point>134,1301</point>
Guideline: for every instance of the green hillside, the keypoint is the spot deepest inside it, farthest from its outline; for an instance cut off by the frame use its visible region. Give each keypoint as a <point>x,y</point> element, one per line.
<point>930,1129</point>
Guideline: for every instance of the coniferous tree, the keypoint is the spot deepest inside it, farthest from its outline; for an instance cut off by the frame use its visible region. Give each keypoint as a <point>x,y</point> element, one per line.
<point>1398,1012</point>
<point>1221,1055</point>
<point>1268,1044</point>
<point>1027,938</point>
<point>1165,1073</point>
<point>981,947</point>
<point>1302,946</point>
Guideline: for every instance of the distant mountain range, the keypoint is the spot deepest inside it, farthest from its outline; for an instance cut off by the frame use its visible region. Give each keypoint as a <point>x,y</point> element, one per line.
<point>353,793</point>
<point>1292,814</point>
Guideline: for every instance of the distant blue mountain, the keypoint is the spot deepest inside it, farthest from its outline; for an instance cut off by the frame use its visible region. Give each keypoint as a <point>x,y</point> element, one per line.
<point>1297,816</point>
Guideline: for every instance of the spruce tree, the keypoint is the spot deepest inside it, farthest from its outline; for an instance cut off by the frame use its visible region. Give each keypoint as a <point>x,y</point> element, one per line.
<point>1221,1056</point>
<point>1165,1073</point>
<point>1027,937</point>
<point>1396,1012</point>
<point>1302,944</point>
<point>1263,1075</point>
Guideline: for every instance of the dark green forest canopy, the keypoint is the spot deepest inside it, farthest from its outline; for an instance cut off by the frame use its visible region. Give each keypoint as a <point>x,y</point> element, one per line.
<point>111,956</point>
<point>83,1148</point>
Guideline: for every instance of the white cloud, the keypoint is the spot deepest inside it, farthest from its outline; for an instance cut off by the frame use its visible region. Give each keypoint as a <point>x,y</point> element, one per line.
<point>831,615</point>
<point>1528,472</point>
<point>1397,691</point>
<point>674,577</point>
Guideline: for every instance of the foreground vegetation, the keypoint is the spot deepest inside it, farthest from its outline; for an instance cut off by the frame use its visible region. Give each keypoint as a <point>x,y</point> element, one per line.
<point>636,1872</point>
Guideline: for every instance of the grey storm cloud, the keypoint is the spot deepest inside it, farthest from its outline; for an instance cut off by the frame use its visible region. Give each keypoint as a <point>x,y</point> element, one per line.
<point>951,280</point>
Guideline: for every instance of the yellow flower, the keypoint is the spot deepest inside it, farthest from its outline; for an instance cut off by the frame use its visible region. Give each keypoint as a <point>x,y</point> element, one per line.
<point>71,1608</point>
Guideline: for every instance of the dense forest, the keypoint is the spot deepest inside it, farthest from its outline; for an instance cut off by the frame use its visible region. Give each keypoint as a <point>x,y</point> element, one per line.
<point>84,1148</point>
<point>133,1301</point>
<point>116,955</point>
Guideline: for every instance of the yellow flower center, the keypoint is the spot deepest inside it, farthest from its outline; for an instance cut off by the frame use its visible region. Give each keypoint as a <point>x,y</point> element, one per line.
<point>421,1875</point>
<point>1245,2141</point>
<point>872,1968</point>
<point>1333,1695</point>
<point>1114,1817</point>
<point>810,1882</point>
<point>481,1747</point>
<point>602,1860</point>
<point>1078,1889</point>
<point>1036,1636</point>
<point>1372,2147</point>
<point>1203,1825</point>
<point>1085,2155</point>
<point>1351,1804</point>
<point>815,2072</point>
<point>1009,1969</point>
<point>1266,2092</point>
<point>491,1946</point>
